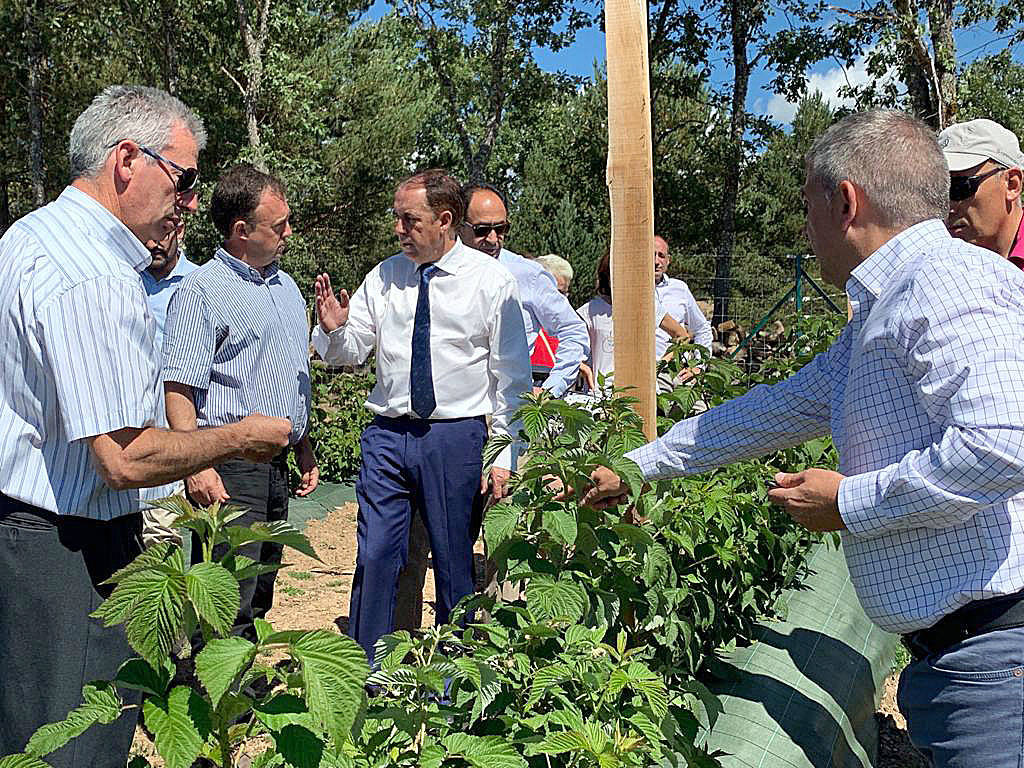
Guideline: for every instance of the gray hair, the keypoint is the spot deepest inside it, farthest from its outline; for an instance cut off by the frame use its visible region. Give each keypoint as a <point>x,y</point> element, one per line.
<point>557,266</point>
<point>893,157</point>
<point>144,115</point>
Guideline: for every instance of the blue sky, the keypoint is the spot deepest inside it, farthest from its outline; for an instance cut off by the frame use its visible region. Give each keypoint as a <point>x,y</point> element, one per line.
<point>827,77</point>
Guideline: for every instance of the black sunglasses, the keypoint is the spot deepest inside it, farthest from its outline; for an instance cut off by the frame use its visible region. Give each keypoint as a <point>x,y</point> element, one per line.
<point>483,230</point>
<point>963,187</point>
<point>187,177</point>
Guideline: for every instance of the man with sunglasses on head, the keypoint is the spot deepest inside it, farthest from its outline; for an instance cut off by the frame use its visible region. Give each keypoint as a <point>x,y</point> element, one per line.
<point>484,229</point>
<point>237,337</point>
<point>80,404</point>
<point>985,161</point>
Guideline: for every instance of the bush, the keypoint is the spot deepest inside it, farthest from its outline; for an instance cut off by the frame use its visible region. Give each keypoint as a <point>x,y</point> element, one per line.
<point>338,417</point>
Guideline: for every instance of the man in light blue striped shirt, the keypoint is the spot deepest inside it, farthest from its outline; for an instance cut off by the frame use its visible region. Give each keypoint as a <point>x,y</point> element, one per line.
<point>79,393</point>
<point>237,339</point>
<point>922,394</point>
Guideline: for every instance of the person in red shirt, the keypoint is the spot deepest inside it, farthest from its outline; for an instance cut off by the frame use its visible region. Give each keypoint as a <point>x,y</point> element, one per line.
<point>985,161</point>
<point>543,356</point>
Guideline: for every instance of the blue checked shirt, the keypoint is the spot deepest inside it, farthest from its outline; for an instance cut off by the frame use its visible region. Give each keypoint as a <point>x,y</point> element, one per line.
<point>544,307</point>
<point>77,354</point>
<point>923,393</point>
<point>240,341</point>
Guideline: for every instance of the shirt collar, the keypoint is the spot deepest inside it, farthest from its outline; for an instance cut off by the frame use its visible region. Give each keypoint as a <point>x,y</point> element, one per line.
<point>244,270</point>
<point>121,239</point>
<point>878,270</point>
<point>1016,255</point>
<point>181,268</point>
<point>454,260</point>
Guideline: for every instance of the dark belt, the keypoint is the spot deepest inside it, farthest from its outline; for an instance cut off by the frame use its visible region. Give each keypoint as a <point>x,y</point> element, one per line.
<point>971,620</point>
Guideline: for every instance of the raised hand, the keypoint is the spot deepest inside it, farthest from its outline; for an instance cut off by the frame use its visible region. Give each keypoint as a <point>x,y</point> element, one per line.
<point>331,310</point>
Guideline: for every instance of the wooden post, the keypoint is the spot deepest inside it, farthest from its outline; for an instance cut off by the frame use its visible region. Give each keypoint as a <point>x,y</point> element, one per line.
<point>631,190</point>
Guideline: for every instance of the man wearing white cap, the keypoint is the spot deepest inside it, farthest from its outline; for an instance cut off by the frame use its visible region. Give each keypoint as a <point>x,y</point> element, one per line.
<point>985,187</point>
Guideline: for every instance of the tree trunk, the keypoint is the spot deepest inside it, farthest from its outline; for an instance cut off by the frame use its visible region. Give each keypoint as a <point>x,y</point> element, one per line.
<point>34,15</point>
<point>940,26</point>
<point>169,30</point>
<point>916,63</point>
<point>740,32</point>
<point>254,42</point>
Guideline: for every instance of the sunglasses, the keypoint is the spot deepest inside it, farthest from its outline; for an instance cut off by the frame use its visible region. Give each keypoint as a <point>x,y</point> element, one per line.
<point>483,230</point>
<point>187,177</point>
<point>964,187</point>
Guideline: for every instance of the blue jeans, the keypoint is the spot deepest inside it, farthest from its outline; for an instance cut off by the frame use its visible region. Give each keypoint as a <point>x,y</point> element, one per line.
<point>965,706</point>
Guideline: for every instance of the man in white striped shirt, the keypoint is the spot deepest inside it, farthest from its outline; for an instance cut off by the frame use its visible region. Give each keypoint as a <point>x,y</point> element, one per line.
<point>79,395</point>
<point>922,394</point>
<point>237,338</point>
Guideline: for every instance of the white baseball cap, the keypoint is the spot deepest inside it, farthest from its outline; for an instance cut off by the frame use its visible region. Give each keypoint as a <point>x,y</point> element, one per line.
<point>966,145</point>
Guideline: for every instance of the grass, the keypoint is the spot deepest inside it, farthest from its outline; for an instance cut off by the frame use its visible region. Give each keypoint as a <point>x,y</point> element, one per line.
<point>300,575</point>
<point>292,591</point>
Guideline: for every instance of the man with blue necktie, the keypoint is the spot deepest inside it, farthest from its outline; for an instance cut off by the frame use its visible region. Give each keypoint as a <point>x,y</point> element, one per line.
<point>451,350</point>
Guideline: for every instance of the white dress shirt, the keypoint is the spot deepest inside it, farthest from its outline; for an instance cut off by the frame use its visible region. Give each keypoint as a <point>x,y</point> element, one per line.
<point>597,317</point>
<point>678,301</point>
<point>544,307</point>
<point>479,360</point>
<point>923,395</point>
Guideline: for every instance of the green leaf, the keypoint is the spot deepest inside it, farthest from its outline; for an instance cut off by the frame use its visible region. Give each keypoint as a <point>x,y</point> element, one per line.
<point>283,709</point>
<point>278,532</point>
<point>138,675</point>
<point>214,593</point>
<point>161,554</point>
<point>557,742</point>
<point>500,524</point>
<point>264,629</point>
<point>550,599</point>
<point>431,756</point>
<point>22,761</point>
<point>180,725</point>
<point>643,681</point>
<point>300,747</point>
<point>483,751</point>
<point>544,678</point>
<point>561,524</point>
<point>221,662</point>
<point>391,650</point>
<point>335,669</point>
<point>157,614</point>
<point>101,706</point>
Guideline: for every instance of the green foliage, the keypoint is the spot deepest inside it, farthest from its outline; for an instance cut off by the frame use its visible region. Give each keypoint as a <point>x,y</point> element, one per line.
<point>308,708</point>
<point>337,420</point>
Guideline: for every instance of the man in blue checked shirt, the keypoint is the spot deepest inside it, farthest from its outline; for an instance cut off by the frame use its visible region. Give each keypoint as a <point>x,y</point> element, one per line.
<point>237,338</point>
<point>79,403</point>
<point>922,395</point>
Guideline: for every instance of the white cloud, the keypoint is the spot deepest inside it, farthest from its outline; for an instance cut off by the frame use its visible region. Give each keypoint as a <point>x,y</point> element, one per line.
<point>828,83</point>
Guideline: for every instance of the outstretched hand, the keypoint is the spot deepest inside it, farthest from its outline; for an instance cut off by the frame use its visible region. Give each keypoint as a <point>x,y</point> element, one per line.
<point>606,490</point>
<point>810,497</point>
<point>331,309</point>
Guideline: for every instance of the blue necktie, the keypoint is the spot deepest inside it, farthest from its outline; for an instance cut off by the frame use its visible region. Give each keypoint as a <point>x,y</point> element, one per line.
<point>421,380</point>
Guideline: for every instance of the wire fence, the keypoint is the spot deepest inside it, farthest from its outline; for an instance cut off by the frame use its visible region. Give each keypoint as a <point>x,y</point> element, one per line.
<point>769,298</point>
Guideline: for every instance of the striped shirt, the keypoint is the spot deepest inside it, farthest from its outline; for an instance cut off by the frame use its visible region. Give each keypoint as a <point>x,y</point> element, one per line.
<point>77,354</point>
<point>922,394</point>
<point>241,341</point>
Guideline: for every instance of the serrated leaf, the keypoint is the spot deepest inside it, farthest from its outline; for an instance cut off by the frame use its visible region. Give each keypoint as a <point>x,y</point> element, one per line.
<point>300,747</point>
<point>161,554</point>
<point>561,524</point>
<point>431,756</point>
<point>550,599</point>
<point>278,532</point>
<point>558,742</point>
<point>22,761</point>
<point>640,679</point>
<point>500,524</point>
<point>221,662</point>
<point>180,724</point>
<point>215,595</point>
<point>544,678</point>
<point>283,709</point>
<point>100,706</point>
<point>263,628</point>
<point>483,751</point>
<point>156,617</point>
<point>139,675</point>
<point>391,650</point>
<point>335,669</point>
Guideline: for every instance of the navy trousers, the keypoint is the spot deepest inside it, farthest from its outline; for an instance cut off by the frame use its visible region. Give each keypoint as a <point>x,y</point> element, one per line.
<point>430,466</point>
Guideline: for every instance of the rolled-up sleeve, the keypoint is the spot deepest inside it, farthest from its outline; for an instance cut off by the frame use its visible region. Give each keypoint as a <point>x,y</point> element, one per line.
<point>100,347</point>
<point>190,339</point>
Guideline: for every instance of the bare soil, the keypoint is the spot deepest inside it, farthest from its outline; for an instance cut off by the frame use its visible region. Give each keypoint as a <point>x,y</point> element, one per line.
<point>312,594</point>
